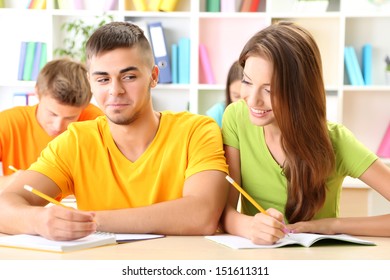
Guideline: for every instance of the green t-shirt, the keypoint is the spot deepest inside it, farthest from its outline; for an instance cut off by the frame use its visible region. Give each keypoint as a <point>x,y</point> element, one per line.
<point>262,177</point>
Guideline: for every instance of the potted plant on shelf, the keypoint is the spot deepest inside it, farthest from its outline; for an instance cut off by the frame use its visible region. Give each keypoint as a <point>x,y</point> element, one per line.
<point>77,33</point>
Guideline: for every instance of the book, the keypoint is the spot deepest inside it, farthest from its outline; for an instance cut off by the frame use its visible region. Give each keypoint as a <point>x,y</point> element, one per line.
<point>29,60</point>
<point>160,53</point>
<point>213,6</point>
<point>139,5</point>
<point>43,59</point>
<point>97,239</point>
<point>302,239</point>
<point>246,6</point>
<point>154,5</point>
<point>254,6</point>
<point>384,146</point>
<point>184,61</point>
<point>168,5</point>
<point>356,67</point>
<point>354,72</point>
<point>37,61</point>
<point>230,6</point>
<point>19,99</point>
<point>22,58</point>
<point>35,242</point>
<point>110,5</point>
<point>175,63</point>
<point>205,66</point>
<point>367,64</point>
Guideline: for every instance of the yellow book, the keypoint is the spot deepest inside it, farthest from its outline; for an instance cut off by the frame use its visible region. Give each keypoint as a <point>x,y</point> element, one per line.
<point>39,4</point>
<point>168,5</point>
<point>154,5</point>
<point>139,5</point>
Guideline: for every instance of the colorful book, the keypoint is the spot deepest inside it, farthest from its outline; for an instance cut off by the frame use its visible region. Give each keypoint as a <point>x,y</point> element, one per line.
<point>254,6</point>
<point>384,146</point>
<point>184,61</point>
<point>154,5</point>
<point>78,4</point>
<point>22,58</point>
<point>168,5</point>
<point>230,6</point>
<point>205,65</point>
<point>175,63</point>
<point>139,5</point>
<point>39,4</point>
<point>37,61</point>
<point>246,6</point>
<point>29,61</point>
<point>110,5</point>
<point>367,64</point>
<point>43,59</point>
<point>2,4</point>
<point>213,6</point>
<point>352,67</point>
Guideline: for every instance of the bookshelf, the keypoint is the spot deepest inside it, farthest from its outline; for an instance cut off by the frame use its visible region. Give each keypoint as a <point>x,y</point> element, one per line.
<point>363,109</point>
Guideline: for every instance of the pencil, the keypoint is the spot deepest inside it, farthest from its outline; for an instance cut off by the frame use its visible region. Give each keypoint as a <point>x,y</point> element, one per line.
<point>244,193</point>
<point>42,195</point>
<point>12,168</point>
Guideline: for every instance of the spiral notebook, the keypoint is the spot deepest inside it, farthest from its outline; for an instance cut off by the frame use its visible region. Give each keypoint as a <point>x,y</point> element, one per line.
<point>302,239</point>
<point>35,242</point>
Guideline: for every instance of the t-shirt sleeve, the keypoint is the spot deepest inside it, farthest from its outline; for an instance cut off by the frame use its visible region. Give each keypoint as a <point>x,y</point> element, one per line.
<point>229,126</point>
<point>205,148</point>
<point>352,157</point>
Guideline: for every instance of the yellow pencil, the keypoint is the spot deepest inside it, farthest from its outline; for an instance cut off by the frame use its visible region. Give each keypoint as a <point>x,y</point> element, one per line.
<point>12,168</point>
<point>42,195</point>
<point>244,193</point>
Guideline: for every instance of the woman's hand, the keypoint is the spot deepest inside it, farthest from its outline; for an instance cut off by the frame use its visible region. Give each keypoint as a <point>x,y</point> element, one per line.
<point>267,229</point>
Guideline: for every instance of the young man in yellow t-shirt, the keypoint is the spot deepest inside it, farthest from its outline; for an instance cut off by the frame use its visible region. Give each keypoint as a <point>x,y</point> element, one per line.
<point>64,95</point>
<point>134,170</point>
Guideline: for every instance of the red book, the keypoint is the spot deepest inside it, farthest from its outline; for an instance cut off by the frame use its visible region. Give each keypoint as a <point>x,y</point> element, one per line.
<point>254,6</point>
<point>384,147</point>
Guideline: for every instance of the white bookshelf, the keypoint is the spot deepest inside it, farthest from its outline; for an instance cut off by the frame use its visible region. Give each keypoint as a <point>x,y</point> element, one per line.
<point>365,110</point>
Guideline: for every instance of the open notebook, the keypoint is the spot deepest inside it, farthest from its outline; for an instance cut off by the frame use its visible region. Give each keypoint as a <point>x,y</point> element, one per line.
<point>97,239</point>
<point>303,239</point>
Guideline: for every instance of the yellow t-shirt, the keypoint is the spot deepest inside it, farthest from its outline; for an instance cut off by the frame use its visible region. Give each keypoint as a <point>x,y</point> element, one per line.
<point>22,138</point>
<point>85,161</point>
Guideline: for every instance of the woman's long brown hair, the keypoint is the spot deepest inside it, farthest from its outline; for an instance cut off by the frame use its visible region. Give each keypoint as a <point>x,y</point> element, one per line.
<point>299,104</point>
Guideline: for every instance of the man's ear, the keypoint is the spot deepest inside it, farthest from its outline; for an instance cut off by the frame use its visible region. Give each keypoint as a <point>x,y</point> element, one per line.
<point>155,72</point>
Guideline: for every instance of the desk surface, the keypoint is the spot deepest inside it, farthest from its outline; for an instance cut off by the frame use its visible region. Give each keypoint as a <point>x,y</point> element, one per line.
<point>199,248</point>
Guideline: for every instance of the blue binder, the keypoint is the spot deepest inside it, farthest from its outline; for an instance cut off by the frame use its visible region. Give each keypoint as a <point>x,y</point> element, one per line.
<point>157,40</point>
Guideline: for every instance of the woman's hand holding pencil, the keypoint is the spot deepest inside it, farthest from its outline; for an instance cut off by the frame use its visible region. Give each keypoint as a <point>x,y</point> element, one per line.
<point>267,227</point>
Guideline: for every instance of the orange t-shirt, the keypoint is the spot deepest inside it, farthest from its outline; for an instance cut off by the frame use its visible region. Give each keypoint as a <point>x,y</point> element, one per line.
<point>22,138</point>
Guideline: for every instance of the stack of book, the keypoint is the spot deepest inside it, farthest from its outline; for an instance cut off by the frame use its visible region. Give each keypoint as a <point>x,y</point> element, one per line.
<point>358,76</point>
<point>33,57</point>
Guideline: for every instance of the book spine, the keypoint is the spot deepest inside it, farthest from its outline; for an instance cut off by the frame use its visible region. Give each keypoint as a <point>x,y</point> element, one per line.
<point>78,4</point>
<point>36,62</point>
<point>43,58</point>
<point>174,63</point>
<point>228,6</point>
<point>246,6</point>
<point>39,4</point>
<point>213,6</point>
<point>349,66</point>
<point>206,65</point>
<point>384,146</point>
<point>139,5</point>
<point>154,5</point>
<point>30,52</point>
<point>367,64</point>
<point>19,99</point>
<point>2,4</point>
<point>356,67</point>
<point>110,5</point>
<point>254,6</point>
<point>184,61</point>
<point>168,5</point>
<point>22,59</point>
